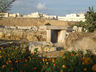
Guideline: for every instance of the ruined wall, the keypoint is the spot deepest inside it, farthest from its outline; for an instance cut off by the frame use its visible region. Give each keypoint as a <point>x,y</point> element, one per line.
<point>22,34</point>
<point>32,22</point>
<point>81,41</point>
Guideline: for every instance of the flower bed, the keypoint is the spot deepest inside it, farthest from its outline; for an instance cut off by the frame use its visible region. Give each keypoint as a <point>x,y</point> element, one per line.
<point>16,59</point>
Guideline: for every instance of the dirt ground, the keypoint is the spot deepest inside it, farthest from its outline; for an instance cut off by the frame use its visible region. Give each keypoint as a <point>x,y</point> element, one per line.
<point>32,22</point>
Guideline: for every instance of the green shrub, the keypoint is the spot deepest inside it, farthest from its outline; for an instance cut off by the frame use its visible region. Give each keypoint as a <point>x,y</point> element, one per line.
<point>16,59</point>
<point>47,24</point>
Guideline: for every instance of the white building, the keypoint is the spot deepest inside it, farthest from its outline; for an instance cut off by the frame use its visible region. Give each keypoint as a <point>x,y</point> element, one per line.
<point>16,15</point>
<point>49,16</point>
<point>33,15</point>
<point>68,17</point>
<point>72,17</point>
<point>4,15</point>
<point>13,15</point>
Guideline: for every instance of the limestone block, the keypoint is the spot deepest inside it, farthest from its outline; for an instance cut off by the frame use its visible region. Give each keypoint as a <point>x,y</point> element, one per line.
<point>80,29</point>
<point>75,28</point>
<point>39,49</point>
<point>29,37</point>
<point>20,27</point>
<point>62,36</point>
<point>35,28</point>
<point>7,35</point>
<point>48,35</point>
<point>1,34</point>
<point>46,49</point>
<point>12,27</point>
<point>33,47</point>
<point>42,28</point>
<point>53,49</point>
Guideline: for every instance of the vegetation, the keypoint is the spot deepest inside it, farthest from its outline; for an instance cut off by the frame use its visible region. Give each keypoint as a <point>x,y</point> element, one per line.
<point>16,59</point>
<point>5,5</point>
<point>90,23</point>
<point>48,24</point>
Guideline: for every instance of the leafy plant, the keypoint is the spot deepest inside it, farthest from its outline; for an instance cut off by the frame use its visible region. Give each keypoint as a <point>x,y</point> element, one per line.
<point>15,59</point>
<point>47,24</point>
<point>5,5</point>
<point>90,23</point>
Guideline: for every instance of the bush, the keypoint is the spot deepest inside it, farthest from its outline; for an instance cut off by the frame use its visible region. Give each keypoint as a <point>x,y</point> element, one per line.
<point>48,24</point>
<point>16,59</point>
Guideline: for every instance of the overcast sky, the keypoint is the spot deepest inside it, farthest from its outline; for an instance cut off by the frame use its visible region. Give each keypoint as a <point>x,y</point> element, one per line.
<point>53,7</point>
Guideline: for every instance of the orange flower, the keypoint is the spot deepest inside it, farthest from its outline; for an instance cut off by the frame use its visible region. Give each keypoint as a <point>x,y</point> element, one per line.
<point>0,56</point>
<point>35,68</point>
<point>10,62</point>
<point>72,54</point>
<point>43,59</point>
<point>3,66</point>
<point>83,63</point>
<point>53,60</point>
<point>0,51</point>
<point>49,59</point>
<point>94,67</point>
<point>85,69</point>
<point>16,61</point>
<point>54,65</point>
<point>63,66</point>
<point>82,59</point>
<point>7,62</point>
<point>87,60</point>
<point>47,63</point>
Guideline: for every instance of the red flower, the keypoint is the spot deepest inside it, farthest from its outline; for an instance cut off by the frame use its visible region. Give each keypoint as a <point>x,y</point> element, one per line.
<point>25,60</point>
<point>35,68</point>
<point>72,54</point>
<point>54,65</point>
<point>82,59</point>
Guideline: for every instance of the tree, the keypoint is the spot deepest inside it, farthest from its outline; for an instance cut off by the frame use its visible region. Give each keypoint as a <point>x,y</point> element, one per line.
<point>5,5</point>
<point>90,23</point>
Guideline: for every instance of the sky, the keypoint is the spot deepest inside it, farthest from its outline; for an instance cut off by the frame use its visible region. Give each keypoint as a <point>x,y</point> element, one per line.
<point>52,7</point>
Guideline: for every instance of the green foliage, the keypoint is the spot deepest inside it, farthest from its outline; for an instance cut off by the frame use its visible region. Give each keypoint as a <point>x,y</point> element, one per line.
<point>16,59</point>
<point>90,23</point>
<point>47,24</point>
<point>5,5</point>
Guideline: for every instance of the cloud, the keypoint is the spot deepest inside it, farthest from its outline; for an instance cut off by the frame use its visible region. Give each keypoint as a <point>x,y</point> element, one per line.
<point>41,6</point>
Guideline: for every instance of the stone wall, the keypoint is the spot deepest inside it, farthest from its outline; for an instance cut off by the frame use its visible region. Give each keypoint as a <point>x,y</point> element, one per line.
<point>12,33</point>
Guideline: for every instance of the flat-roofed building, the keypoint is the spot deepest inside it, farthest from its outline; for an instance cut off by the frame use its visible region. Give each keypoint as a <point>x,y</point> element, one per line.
<point>72,17</point>
<point>4,14</point>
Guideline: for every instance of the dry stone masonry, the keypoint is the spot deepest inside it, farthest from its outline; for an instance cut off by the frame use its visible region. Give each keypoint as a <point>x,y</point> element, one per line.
<point>19,33</point>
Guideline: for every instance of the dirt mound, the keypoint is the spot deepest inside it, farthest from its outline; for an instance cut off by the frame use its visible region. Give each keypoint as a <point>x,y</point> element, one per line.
<point>81,41</point>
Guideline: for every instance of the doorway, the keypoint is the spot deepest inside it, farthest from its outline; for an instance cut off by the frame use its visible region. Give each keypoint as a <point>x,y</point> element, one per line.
<point>54,35</point>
